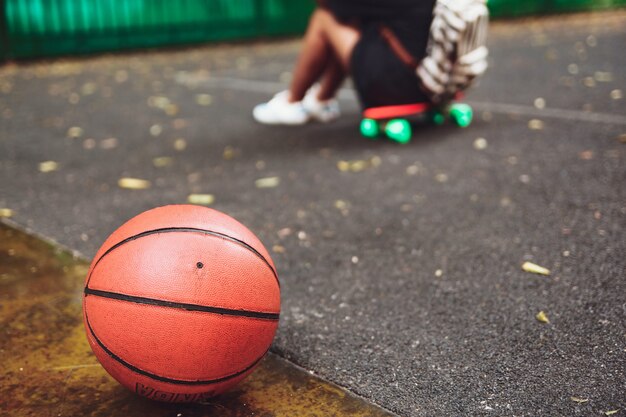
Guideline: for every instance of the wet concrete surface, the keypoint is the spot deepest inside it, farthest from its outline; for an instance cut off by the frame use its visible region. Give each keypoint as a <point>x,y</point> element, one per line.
<point>401,280</point>
<point>48,368</point>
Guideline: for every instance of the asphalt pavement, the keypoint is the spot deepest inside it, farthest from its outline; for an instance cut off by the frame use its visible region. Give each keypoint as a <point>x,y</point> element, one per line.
<point>401,266</point>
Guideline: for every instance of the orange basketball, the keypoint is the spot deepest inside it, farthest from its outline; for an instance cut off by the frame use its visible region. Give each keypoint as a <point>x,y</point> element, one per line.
<point>181,303</point>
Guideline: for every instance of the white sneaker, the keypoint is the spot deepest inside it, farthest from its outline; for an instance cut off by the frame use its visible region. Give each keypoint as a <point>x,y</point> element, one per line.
<point>279,111</point>
<point>322,110</point>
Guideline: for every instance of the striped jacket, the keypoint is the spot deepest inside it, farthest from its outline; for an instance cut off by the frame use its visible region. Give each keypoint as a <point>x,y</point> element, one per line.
<point>456,49</point>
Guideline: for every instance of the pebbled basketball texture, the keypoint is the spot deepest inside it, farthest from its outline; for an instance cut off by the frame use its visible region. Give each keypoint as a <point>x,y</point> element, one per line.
<point>181,303</point>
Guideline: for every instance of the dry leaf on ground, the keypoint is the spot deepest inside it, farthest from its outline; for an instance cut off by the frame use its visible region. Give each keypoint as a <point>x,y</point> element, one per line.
<point>48,166</point>
<point>541,316</point>
<point>6,212</point>
<point>579,400</point>
<point>535,269</point>
<point>268,182</point>
<point>133,183</point>
<point>201,199</point>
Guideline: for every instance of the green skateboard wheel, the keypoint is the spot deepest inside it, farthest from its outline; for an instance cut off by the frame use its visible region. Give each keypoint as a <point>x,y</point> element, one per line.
<point>438,118</point>
<point>462,114</point>
<point>369,128</point>
<point>398,130</point>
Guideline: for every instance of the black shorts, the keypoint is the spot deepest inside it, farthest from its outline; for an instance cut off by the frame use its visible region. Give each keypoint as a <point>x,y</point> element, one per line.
<point>380,77</point>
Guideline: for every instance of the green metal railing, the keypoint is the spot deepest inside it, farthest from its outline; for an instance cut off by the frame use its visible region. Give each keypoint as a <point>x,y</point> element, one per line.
<point>34,28</point>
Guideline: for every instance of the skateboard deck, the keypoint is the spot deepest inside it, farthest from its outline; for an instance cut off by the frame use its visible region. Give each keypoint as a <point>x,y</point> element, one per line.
<point>395,121</point>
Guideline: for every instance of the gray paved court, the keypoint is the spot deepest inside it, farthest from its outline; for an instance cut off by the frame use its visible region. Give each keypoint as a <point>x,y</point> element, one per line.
<point>402,280</point>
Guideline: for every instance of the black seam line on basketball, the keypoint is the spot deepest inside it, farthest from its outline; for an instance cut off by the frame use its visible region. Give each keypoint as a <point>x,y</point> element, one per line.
<point>187,229</point>
<point>183,306</point>
<point>165,379</point>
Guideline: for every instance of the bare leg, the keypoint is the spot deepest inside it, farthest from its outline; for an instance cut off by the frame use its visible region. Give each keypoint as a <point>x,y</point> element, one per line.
<point>331,79</point>
<point>327,47</point>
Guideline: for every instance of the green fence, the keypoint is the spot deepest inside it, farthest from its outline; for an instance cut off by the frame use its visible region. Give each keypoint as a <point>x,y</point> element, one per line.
<point>512,8</point>
<point>34,28</point>
<point>54,27</point>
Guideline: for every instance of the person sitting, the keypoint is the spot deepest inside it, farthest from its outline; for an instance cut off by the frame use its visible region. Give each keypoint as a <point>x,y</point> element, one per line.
<point>369,40</point>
